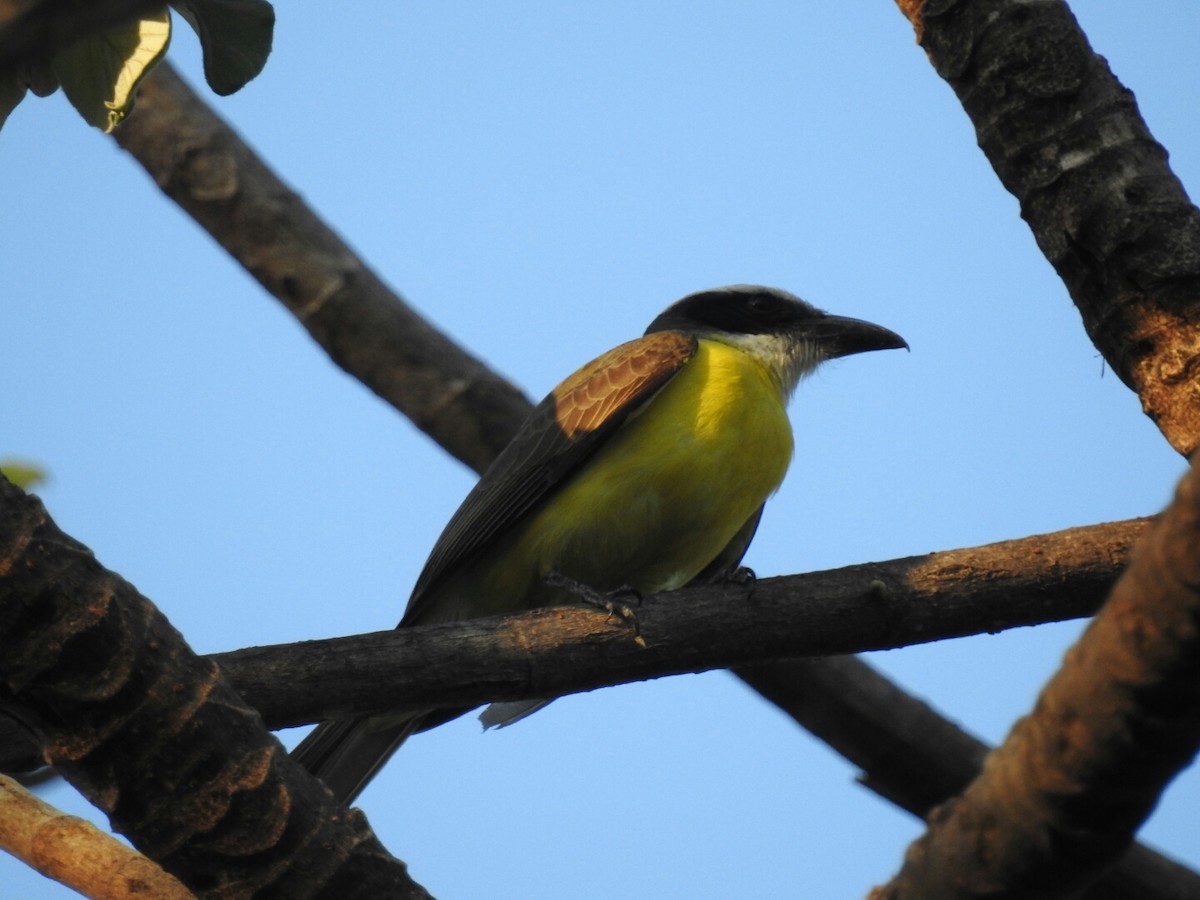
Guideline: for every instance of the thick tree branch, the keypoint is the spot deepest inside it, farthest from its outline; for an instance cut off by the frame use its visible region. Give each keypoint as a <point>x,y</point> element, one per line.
<point>550,652</point>
<point>1063,796</point>
<point>912,600</point>
<point>908,752</point>
<point>153,736</point>
<point>914,757</point>
<point>170,117</point>
<point>1067,140</point>
<point>363,325</point>
<point>349,364</point>
<point>1078,565</point>
<point>19,749</point>
<point>1071,784</point>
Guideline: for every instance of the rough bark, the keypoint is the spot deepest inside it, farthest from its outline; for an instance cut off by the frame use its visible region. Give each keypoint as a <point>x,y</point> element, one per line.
<point>1062,798</point>
<point>549,652</point>
<point>19,749</point>
<point>168,106</point>
<point>201,164</point>
<point>1067,140</point>
<point>1101,243</point>
<point>1065,793</point>
<point>912,756</point>
<point>908,753</point>
<point>886,604</point>
<point>153,736</point>
<point>171,116</point>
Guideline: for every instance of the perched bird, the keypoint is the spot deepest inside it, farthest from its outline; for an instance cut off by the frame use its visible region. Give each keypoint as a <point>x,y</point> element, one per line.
<point>647,468</point>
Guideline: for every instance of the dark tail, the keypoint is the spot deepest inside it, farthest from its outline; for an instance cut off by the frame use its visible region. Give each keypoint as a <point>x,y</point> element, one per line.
<point>346,753</point>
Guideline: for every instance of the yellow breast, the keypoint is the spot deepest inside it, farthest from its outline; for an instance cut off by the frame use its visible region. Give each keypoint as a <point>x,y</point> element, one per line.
<point>674,485</point>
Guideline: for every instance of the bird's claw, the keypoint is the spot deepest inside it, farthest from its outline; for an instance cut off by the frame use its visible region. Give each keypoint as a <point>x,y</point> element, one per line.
<point>606,601</point>
<point>743,576</point>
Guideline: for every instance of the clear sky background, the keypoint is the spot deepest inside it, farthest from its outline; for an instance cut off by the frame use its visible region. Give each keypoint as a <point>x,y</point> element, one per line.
<point>540,180</point>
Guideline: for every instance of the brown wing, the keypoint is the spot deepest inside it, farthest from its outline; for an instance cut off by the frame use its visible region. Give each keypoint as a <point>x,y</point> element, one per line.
<point>560,435</point>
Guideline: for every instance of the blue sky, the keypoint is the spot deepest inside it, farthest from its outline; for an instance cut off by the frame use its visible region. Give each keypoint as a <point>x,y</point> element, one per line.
<point>540,180</point>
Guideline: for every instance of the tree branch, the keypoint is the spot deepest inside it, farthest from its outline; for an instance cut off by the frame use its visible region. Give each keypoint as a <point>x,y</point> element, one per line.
<point>1076,245</point>
<point>1063,796</point>
<point>77,853</point>
<point>1067,140</point>
<point>153,736</point>
<point>186,148</point>
<point>201,164</point>
<point>19,749</point>
<point>915,758</point>
<point>549,652</point>
<point>546,652</point>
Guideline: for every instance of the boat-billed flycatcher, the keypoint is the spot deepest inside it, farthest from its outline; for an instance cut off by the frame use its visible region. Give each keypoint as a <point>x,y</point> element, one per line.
<point>646,468</point>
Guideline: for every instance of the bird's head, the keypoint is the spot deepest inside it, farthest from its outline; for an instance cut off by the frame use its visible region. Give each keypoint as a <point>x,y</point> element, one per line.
<point>783,332</point>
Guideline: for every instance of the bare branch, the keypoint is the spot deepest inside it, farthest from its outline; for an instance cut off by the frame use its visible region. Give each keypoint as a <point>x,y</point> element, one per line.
<point>153,736</point>
<point>549,652</point>
<point>77,853</point>
<point>911,600</point>
<point>19,750</point>
<point>180,141</point>
<point>1077,564</point>
<point>363,325</point>
<point>1075,244</point>
<point>1061,799</point>
<point>914,757</point>
<point>1067,140</point>
<point>908,752</point>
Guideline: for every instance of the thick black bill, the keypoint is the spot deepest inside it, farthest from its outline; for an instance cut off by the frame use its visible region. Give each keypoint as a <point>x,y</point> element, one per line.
<point>841,336</point>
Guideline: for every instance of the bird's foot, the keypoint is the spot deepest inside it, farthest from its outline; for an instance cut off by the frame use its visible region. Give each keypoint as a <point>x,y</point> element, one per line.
<point>612,602</point>
<point>742,576</point>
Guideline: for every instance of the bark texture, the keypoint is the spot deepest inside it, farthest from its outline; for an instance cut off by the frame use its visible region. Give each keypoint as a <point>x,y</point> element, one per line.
<point>1062,798</point>
<point>153,736</point>
<point>912,756</point>
<point>1067,140</point>
<point>549,652</point>
<point>198,161</point>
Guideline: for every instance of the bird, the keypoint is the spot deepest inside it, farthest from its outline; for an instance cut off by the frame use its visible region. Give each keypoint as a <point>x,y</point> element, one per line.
<point>645,469</point>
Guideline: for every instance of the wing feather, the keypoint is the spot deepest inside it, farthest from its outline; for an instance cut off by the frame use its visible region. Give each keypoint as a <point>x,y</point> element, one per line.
<point>560,435</point>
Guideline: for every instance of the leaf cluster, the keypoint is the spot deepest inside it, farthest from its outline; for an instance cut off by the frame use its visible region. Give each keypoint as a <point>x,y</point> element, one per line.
<point>100,72</point>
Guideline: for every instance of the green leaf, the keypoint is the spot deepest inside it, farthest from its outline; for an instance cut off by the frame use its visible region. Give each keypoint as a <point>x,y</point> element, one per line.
<point>236,38</point>
<point>23,475</point>
<point>12,92</point>
<point>100,74</point>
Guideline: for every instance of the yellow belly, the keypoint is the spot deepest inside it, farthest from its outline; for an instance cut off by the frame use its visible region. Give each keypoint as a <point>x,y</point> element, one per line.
<point>665,496</point>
